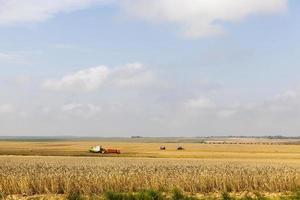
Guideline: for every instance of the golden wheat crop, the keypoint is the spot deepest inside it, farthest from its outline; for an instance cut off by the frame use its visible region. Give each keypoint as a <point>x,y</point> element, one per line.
<point>45,175</point>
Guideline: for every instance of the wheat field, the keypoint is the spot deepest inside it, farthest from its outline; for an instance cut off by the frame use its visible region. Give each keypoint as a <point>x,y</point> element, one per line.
<point>60,175</point>
<point>61,167</point>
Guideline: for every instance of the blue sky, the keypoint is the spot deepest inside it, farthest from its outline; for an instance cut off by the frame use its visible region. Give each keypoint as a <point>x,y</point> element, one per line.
<point>153,68</point>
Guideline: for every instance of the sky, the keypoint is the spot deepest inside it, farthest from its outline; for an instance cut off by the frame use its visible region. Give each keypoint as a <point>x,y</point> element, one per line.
<point>111,68</point>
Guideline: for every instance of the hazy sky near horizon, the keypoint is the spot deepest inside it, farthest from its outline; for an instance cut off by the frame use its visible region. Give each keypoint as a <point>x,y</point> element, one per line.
<point>149,67</point>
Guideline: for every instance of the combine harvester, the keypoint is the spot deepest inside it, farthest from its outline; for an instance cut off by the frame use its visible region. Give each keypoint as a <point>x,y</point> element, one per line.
<point>100,149</point>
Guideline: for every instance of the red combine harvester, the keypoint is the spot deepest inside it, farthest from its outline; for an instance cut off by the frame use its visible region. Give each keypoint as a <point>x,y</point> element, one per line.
<point>100,149</point>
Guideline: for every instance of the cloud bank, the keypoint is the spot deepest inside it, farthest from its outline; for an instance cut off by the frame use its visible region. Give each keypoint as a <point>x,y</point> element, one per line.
<point>195,18</point>
<point>130,99</point>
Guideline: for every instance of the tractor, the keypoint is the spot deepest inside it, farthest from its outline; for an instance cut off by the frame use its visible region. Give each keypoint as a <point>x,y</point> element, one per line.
<point>162,148</point>
<point>180,148</point>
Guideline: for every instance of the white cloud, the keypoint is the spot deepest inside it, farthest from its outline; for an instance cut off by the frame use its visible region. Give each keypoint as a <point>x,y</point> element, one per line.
<point>227,113</point>
<point>133,75</point>
<point>200,103</point>
<point>286,95</point>
<point>200,18</point>
<point>81,110</point>
<point>6,56</point>
<point>11,58</point>
<point>86,80</point>
<point>126,76</point>
<point>62,46</point>
<point>283,103</point>
<point>21,58</point>
<point>23,79</point>
<point>16,11</point>
<point>7,109</point>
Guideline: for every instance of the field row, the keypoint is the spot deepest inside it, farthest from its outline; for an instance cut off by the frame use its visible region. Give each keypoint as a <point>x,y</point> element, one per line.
<point>132,149</point>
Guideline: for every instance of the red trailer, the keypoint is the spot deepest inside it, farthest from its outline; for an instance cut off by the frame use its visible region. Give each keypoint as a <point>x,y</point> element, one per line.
<point>115,151</point>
